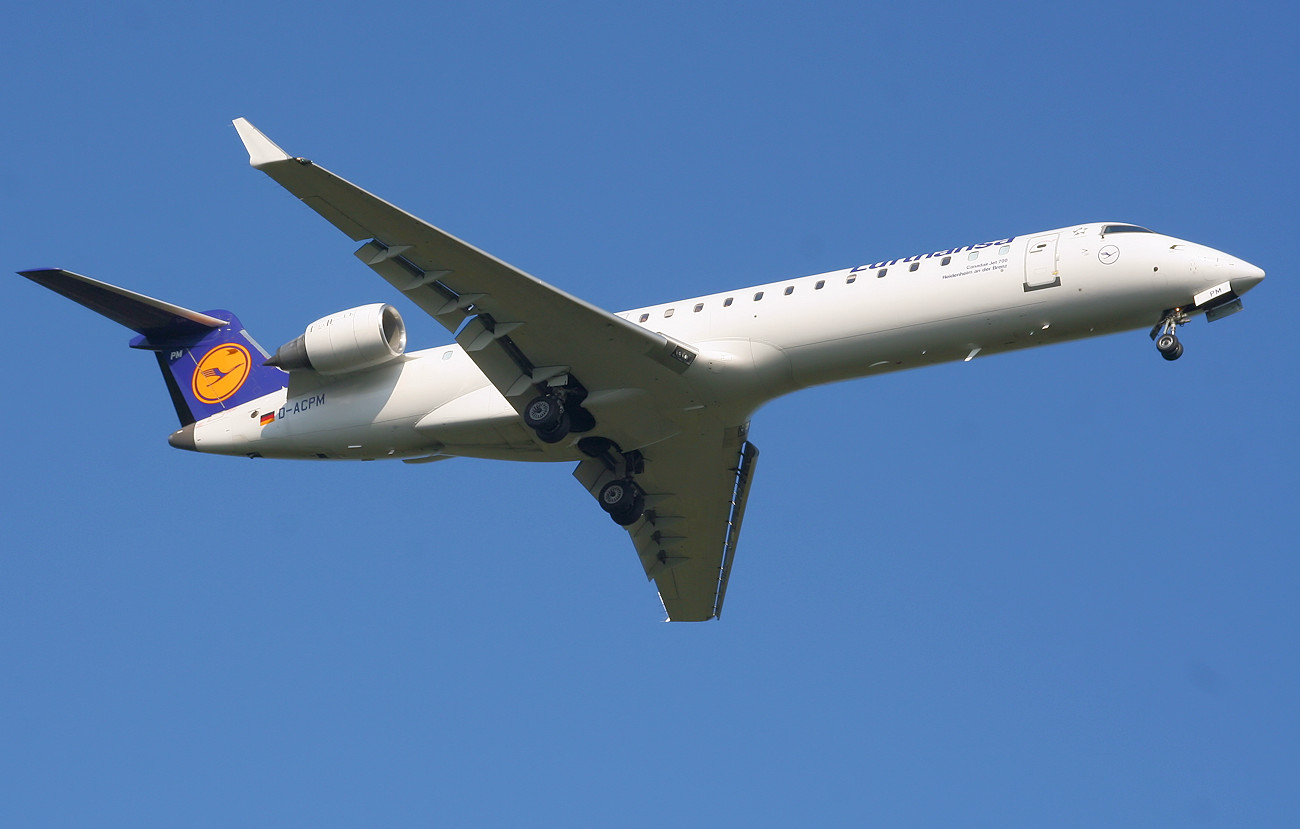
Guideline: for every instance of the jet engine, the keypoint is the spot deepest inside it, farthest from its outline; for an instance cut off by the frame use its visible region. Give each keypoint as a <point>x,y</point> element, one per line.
<point>351,340</point>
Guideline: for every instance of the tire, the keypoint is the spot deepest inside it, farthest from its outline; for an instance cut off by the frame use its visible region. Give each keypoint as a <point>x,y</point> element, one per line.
<point>616,497</point>
<point>1167,343</point>
<point>580,419</point>
<point>556,433</point>
<point>544,413</point>
<point>624,501</point>
<point>1173,353</point>
<point>628,516</point>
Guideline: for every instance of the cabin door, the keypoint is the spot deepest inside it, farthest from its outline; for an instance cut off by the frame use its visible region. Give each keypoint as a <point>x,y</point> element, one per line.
<point>1040,263</point>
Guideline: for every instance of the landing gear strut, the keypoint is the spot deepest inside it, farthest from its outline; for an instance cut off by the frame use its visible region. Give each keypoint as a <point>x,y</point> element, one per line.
<point>1166,337</point>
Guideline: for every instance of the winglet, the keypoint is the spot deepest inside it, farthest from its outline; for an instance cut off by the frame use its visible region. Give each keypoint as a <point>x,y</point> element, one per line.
<point>261,150</point>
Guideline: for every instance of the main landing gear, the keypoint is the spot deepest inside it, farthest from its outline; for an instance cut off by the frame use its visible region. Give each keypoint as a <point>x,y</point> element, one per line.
<point>622,497</point>
<point>623,500</point>
<point>1165,334</point>
<point>546,416</point>
<point>555,414</point>
<point>558,412</point>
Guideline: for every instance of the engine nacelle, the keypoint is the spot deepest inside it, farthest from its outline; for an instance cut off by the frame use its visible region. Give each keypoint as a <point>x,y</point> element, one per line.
<point>350,340</point>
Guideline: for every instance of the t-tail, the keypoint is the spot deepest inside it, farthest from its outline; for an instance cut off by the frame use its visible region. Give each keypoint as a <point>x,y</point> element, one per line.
<point>208,361</point>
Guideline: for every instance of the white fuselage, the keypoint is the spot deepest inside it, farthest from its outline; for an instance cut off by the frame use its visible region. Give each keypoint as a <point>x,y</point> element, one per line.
<point>759,343</point>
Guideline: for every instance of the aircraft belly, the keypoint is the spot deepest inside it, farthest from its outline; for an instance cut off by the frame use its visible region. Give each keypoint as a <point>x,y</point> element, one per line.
<point>894,331</point>
<point>369,414</point>
<point>480,424</point>
<point>888,338</point>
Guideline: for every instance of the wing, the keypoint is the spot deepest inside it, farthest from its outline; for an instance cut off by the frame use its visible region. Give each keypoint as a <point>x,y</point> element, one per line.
<point>524,334</point>
<point>520,331</point>
<point>696,486</point>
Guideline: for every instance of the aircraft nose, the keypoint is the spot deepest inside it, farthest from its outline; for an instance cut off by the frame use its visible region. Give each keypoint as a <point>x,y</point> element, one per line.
<point>1245,276</point>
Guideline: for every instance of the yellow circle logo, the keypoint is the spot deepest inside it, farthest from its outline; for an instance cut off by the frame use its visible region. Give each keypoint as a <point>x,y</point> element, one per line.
<point>221,372</point>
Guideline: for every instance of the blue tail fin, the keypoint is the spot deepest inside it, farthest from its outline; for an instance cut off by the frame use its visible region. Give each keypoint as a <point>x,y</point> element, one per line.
<point>207,359</point>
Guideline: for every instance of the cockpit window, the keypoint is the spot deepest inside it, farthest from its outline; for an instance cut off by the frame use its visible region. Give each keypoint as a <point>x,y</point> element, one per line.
<point>1123,229</point>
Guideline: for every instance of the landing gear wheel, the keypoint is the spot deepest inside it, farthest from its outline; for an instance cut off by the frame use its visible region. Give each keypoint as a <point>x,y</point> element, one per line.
<point>543,413</point>
<point>617,496</point>
<point>1169,346</point>
<point>623,500</point>
<point>627,517</point>
<point>1166,334</point>
<point>556,433</point>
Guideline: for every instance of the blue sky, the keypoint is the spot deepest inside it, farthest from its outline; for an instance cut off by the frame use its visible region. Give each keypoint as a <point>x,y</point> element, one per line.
<point>1050,588</point>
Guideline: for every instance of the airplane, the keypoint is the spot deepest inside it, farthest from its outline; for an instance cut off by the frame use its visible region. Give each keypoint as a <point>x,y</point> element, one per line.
<point>653,404</point>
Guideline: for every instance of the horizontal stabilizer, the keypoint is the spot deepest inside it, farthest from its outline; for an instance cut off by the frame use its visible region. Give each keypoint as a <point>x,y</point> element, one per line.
<point>155,319</point>
<point>209,362</point>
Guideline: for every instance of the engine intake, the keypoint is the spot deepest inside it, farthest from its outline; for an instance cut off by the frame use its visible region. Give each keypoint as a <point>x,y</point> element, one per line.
<point>351,340</point>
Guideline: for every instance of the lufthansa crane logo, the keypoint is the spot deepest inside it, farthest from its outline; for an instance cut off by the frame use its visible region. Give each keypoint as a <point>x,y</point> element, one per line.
<point>221,372</point>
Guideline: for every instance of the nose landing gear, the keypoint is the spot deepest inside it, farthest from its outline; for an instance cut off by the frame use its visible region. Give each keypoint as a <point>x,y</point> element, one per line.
<point>1165,334</point>
<point>1169,346</point>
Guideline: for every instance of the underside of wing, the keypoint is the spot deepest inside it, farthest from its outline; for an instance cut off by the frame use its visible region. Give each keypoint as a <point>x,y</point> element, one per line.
<point>523,333</point>
<point>695,487</point>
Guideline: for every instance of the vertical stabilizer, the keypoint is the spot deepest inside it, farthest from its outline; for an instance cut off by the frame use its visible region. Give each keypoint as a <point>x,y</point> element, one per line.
<point>214,371</point>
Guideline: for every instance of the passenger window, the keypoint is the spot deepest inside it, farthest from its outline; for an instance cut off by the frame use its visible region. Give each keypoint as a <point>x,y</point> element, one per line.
<point>726,303</point>
<point>880,273</point>
<point>946,260</point>
<point>1004,250</point>
<point>850,279</point>
<point>758,296</point>
<point>789,290</point>
<point>915,265</point>
<point>973,255</point>
<point>645,317</point>
<point>699,308</point>
<point>821,283</point>
<point>669,312</point>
